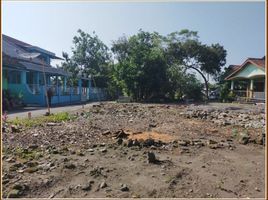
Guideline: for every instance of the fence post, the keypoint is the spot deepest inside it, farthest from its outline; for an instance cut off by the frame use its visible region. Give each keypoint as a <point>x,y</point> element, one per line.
<point>71,91</point>
<point>80,88</point>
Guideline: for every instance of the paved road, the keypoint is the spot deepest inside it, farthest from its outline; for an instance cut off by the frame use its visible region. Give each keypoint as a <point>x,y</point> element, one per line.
<point>40,111</point>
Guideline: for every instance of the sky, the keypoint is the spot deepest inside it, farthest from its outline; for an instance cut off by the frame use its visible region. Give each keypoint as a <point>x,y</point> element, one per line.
<point>238,26</point>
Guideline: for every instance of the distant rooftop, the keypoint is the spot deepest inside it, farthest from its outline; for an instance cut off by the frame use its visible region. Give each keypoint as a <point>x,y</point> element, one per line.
<point>260,62</point>
<point>28,47</point>
<point>15,54</point>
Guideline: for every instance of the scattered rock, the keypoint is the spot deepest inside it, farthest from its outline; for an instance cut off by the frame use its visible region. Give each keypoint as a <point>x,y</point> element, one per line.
<point>102,145</point>
<point>69,166</point>
<point>96,172</point>
<point>183,142</point>
<point>130,143</point>
<point>214,146</point>
<point>20,187</point>
<point>52,124</point>
<point>149,142</point>
<point>15,166</point>
<point>151,157</point>
<point>103,150</point>
<point>136,143</point>
<point>152,125</point>
<point>124,188</point>
<point>32,164</point>
<point>121,134</point>
<point>55,151</point>
<point>106,132</point>
<point>80,153</point>
<point>5,181</point>
<point>103,185</point>
<point>11,159</point>
<point>244,139</point>
<point>14,193</point>
<point>227,116</point>
<point>33,146</point>
<point>31,169</point>
<point>119,141</point>
<point>210,142</point>
<point>260,139</point>
<point>14,129</point>
<point>185,150</point>
<point>86,187</point>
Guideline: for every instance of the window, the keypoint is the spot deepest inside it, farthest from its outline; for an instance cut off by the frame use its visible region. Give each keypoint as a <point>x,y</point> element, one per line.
<point>30,77</point>
<point>258,86</point>
<point>241,85</point>
<point>5,83</point>
<point>41,79</point>
<point>14,77</point>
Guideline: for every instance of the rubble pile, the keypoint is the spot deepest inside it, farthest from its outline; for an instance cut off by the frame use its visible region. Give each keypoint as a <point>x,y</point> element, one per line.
<point>137,150</point>
<point>246,119</point>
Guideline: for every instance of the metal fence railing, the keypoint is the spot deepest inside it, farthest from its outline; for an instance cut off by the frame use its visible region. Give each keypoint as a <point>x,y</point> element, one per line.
<point>240,93</point>
<point>64,90</point>
<point>54,89</point>
<point>98,93</point>
<point>259,95</point>
<point>75,91</point>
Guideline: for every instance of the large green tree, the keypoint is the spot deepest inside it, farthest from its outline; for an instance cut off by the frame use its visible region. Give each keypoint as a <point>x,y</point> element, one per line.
<point>90,57</point>
<point>186,50</point>
<point>183,85</point>
<point>146,65</point>
<point>141,65</point>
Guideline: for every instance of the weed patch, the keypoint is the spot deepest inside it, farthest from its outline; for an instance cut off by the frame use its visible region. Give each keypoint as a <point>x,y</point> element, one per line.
<point>37,121</point>
<point>28,154</point>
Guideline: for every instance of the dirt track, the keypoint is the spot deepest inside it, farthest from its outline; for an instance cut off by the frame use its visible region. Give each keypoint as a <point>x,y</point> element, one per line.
<point>85,157</point>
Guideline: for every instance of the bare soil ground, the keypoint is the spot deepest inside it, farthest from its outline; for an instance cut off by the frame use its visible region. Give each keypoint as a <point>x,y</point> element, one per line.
<point>134,150</point>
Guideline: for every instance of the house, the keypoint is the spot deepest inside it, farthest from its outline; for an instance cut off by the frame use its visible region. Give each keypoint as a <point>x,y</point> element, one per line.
<point>27,72</point>
<point>248,79</point>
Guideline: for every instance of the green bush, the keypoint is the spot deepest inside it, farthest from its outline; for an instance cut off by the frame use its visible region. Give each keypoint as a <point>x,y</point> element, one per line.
<point>225,94</point>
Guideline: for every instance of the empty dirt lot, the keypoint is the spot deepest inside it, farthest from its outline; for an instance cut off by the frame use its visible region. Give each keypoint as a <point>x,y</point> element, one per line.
<point>139,150</point>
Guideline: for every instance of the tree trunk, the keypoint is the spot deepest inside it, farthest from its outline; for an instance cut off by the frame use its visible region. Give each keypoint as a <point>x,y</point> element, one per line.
<point>205,80</point>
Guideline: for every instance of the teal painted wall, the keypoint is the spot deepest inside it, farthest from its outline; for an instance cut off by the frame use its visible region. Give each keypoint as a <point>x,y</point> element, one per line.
<point>5,83</point>
<point>23,89</point>
<point>40,99</point>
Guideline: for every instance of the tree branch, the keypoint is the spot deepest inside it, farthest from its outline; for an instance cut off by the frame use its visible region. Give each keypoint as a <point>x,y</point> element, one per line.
<point>203,76</point>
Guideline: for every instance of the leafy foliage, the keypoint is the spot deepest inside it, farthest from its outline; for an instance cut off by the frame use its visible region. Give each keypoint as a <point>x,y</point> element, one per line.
<point>188,51</point>
<point>183,85</point>
<point>146,65</point>
<point>225,94</point>
<point>141,67</point>
<point>91,58</point>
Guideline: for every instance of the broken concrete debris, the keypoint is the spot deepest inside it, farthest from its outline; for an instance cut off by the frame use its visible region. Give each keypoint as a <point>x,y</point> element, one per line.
<point>149,145</point>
